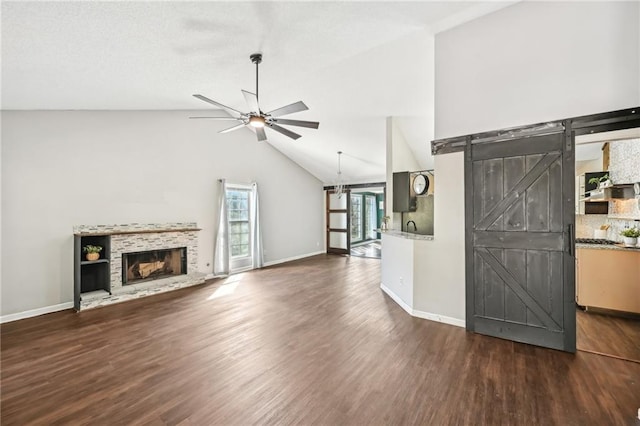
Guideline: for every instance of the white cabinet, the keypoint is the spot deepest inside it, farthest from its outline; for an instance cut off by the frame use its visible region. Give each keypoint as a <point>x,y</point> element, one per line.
<point>579,194</point>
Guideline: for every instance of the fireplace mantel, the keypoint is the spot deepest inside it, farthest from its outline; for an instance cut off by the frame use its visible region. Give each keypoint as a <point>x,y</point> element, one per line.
<point>134,228</point>
<point>147,231</point>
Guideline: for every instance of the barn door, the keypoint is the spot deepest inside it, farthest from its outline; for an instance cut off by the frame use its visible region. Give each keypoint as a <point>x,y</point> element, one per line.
<point>520,263</point>
<point>338,222</point>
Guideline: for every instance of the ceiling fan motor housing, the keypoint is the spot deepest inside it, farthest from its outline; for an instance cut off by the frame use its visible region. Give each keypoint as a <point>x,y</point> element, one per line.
<point>256,58</point>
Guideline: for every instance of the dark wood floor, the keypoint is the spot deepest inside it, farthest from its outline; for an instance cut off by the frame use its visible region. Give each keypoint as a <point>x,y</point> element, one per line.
<point>607,334</point>
<point>308,342</point>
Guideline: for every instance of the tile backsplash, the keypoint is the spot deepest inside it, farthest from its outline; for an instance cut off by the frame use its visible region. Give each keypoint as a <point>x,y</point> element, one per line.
<point>587,224</point>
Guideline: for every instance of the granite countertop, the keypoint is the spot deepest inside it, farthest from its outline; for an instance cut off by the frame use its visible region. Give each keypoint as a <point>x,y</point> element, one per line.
<point>619,246</point>
<point>408,235</point>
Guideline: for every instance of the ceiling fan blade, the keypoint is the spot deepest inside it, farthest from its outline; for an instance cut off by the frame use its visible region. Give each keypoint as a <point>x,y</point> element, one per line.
<point>252,101</point>
<point>289,109</point>
<point>284,131</point>
<point>300,123</point>
<point>262,136</point>
<point>218,104</point>
<point>218,118</point>
<point>231,129</point>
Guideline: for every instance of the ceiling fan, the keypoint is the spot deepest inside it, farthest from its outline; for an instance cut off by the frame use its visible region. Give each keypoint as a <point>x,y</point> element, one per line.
<point>257,120</point>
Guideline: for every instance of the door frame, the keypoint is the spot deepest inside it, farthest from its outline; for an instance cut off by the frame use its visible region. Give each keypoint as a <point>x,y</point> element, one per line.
<point>572,127</point>
<point>347,229</point>
<point>347,189</point>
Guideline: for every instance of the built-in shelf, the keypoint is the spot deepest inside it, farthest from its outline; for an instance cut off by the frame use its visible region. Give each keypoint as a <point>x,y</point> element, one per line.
<point>91,262</point>
<point>91,276</point>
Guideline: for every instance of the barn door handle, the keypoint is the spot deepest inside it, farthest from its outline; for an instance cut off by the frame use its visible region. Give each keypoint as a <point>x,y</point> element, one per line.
<point>570,238</point>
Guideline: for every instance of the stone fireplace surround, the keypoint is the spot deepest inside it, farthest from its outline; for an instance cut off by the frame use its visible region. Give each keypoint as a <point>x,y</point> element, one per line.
<point>137,237</point>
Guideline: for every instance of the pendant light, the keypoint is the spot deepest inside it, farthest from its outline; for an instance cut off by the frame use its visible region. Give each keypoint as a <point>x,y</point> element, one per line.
<point>339,187</point>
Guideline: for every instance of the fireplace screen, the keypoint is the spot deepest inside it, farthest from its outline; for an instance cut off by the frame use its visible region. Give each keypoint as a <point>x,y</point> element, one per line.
<point>153,264</point>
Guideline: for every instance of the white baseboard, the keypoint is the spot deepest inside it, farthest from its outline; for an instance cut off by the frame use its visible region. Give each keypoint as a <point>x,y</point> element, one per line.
<point>35,312</point>
<point>271,263</point>
<point>421,314</point>
<point>439,318</point>
<point>397,299</point>
<point>289,259</point>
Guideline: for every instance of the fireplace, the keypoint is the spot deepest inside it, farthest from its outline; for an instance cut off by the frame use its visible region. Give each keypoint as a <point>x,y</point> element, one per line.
<point>153,264</point>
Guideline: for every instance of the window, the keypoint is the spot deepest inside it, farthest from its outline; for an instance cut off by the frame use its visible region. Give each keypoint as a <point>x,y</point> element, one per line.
<point>356,217</point>
<point>239,228</point>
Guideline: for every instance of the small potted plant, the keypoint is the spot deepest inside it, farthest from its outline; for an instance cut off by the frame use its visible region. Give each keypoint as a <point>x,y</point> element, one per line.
<point>601,182</point>
<point>630,236</point>
<point>93,252</point>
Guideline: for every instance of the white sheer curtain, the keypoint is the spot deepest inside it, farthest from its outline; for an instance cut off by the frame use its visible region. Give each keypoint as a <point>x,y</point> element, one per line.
<point>221,256</point>
<point>256,239</point>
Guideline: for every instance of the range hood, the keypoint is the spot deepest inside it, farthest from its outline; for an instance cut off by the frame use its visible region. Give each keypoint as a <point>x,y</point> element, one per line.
<point>614,192</point>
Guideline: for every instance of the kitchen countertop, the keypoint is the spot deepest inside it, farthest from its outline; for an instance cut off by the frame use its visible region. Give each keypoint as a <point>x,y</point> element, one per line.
<point>619,246</point>
<point>408,235</point>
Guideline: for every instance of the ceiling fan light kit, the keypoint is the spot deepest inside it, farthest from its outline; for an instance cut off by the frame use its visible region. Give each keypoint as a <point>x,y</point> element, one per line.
<point>258,120</point>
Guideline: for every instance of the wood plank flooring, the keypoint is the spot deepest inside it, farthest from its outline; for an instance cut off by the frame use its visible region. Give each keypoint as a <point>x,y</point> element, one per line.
<point>372,249</point>
<point>607,334</point>
<point>308,342</point>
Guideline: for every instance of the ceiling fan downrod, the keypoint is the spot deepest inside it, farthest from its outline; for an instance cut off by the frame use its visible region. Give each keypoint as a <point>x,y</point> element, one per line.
<point>256,58</point>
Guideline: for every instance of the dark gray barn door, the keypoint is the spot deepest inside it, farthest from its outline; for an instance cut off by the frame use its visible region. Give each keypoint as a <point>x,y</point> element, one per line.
<point>520,282</point>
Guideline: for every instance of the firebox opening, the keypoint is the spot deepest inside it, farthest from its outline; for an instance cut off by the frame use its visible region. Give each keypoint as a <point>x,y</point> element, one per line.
<point>153,264</point>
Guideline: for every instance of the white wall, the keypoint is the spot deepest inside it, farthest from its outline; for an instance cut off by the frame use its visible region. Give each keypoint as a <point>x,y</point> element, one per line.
<point>587,166</point>
<point>527,63</point>
<point>537,61</point>
<point>67,168</point>
<point>439,276</point>
<point>397,266</point>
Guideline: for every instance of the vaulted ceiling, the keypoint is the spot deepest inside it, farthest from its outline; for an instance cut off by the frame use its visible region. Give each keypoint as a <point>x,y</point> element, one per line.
<point>352,63</point>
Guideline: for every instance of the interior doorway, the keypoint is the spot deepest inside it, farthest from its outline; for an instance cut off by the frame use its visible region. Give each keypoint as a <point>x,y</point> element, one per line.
<point>354,217</point>
<point>607,271</point>
<point>367,212</point>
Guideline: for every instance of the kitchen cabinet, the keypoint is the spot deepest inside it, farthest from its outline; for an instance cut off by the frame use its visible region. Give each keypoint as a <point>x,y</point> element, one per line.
<point>608,279</point>
<point>404,199</point>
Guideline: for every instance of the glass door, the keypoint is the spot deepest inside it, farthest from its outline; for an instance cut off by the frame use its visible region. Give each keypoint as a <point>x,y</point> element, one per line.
<point>338,223</point>
<point>356,218</point>
<point>370,217</point>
